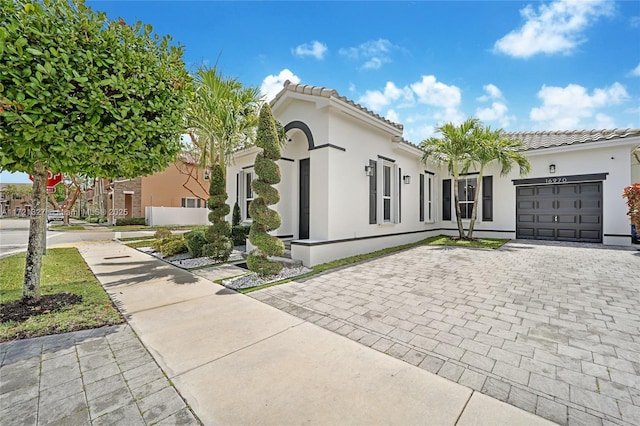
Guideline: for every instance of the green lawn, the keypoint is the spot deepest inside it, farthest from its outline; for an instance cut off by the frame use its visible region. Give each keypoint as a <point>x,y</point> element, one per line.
<point>486,243</point>
<point>63,271</point>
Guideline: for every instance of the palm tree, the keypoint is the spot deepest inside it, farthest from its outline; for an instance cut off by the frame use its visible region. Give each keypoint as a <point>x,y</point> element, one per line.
<point>493,145</point>
<point>454,149</point>
<point>222,116</point>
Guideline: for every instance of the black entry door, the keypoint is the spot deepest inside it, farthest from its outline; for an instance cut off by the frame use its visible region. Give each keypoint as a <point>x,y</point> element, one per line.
<point>566,212</point>
<point>305,200</point>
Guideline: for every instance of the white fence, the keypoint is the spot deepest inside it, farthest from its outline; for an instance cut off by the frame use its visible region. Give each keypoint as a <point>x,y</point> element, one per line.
<point>163,216</point>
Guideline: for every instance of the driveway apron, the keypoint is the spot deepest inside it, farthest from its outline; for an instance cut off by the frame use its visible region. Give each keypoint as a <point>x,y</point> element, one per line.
<point>552,328</point>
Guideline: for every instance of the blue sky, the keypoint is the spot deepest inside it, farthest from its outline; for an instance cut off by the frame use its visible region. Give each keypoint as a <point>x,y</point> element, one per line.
<point>552,65</point>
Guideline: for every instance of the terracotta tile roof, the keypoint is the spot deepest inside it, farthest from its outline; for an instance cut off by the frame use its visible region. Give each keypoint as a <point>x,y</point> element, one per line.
<point>549,139</point>
<point>329,93</point>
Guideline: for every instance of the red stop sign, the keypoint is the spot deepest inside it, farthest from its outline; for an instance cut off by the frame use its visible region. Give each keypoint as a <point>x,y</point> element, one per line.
<point>52,180</point>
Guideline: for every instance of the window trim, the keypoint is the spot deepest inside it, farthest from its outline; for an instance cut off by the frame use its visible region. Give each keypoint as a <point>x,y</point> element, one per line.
<point>394,203</point>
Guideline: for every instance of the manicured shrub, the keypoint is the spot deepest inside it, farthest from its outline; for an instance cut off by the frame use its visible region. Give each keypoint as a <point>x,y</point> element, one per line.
<point>632,194</point>
<point>239,234</point>
<point>171,246</point>
<point>162,233</point>
<point>195,240</point>
<point>236,218</point>
<point>218,244</point>
<point>130,221</point>
<point>264,218</point>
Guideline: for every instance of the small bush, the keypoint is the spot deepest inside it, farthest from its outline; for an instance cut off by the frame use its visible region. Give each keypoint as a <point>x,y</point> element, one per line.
<point>195,240</point>
<point>236,218</point>
<point>171,246</point>
<point>162,233</point>
<point>130,221</point>
<point>239,234</point>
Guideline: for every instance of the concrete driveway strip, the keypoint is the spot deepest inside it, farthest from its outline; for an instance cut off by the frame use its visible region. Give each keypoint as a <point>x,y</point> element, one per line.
<point>238,361</point>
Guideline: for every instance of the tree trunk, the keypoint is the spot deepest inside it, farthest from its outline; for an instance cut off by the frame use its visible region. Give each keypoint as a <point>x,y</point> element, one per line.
<point>475,204</point>
<point>31,286</point>
<point>456,200</point>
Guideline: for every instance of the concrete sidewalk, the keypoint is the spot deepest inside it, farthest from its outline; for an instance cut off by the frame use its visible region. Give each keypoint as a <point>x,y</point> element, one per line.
<point>236,360</point>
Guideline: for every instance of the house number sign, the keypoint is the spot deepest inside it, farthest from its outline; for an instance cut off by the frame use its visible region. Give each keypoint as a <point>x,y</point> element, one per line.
<point>562,179</point>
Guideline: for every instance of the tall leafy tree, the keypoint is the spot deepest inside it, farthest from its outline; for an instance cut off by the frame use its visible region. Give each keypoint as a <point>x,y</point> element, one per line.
<point>454,149</point>
<point>82,94</point>
<point>488,146</point>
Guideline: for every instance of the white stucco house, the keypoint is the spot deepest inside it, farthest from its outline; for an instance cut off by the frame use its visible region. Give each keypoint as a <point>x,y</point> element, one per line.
<point>352,184</point>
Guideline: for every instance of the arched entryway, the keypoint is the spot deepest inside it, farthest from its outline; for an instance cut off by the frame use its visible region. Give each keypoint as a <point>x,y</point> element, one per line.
<point>298,147</point>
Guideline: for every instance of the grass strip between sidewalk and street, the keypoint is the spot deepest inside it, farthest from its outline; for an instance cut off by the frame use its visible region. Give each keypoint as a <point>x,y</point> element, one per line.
<point>63,271</point>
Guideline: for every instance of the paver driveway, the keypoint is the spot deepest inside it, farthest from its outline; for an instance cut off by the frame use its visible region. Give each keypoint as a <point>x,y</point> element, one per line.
<point>551,328</point>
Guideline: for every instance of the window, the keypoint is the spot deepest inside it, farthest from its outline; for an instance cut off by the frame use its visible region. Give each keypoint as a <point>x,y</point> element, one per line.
<point>466,195</point>
<point>191,203</point>
<point>386,193</point>
<point>248,197</point>
<point>467,186</point>
<point>244,192</point>
<point>426,198</point>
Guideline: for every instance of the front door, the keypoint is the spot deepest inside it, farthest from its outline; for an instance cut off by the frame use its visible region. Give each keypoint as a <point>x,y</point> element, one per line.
<point>305,199</point>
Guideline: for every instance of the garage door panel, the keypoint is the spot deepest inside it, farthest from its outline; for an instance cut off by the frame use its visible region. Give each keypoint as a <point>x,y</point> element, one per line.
<point>526,191</point>
<point>565,212</point>
<point>542,191</point>
<point>594,189</point>
<point>590,235</point>
<point>567,190</point>
<point>526,205</point>
<point>567,234</point>
<point>568,218</point>
<point>545,233</point>
<point>590,219</point>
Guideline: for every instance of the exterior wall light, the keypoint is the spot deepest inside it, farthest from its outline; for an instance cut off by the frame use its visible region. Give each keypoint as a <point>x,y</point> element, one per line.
<point>406,179</point>
<point>368,170</point>
<point>552,168</point>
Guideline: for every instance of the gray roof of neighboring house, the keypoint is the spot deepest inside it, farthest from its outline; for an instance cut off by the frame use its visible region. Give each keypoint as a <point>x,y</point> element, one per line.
<point>550,139</point>
<point>328,93</point>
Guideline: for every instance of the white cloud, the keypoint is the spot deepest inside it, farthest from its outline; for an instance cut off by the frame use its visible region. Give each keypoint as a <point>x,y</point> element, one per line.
<point>491,92</point>
<point>498,110</point>
<point>375,53</point>
<point>393,116</point>
<point>635,72</point>
<point>572,107</point>
<point>555,27</point>
<point>375,99</point>
<point>272,84</point>
<point>433,92</point>
<point>315,49</point>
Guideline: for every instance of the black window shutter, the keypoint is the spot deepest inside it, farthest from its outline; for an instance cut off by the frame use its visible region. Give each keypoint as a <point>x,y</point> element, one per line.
<point>238,188</point>
<point>446,199</point>
<point>399,195</point>
<point>373,207</point>
<point>421,197</point>
<point>199,201</point>
<point>487,198</point>
<point>184,202</point>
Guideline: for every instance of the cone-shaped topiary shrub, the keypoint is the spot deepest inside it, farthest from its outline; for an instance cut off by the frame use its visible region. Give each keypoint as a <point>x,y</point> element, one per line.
<point>218,245</point>
<point>264,218</point>
<point>236,218</point>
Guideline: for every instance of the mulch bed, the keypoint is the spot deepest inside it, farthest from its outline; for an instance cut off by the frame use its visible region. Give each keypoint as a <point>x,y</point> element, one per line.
<point>19,311</point>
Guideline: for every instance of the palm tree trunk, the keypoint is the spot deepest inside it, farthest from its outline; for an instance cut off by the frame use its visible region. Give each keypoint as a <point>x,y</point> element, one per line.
<point>31,284</point>
<point>475,203</point>
<point>456,200</point>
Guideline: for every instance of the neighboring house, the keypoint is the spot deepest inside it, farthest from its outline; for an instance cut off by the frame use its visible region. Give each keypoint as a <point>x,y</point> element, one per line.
<point>352,184</point>
<point>15,199</point>
<point>181,185</point>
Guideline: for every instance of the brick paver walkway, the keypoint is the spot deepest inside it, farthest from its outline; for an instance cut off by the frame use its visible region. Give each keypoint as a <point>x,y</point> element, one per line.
<point>102,376</point>
<point>551,328</point>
